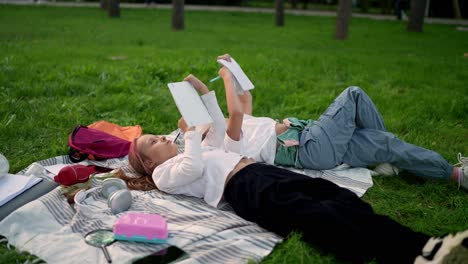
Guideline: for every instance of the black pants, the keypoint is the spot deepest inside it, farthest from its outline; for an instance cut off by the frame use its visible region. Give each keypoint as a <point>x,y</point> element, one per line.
<point>328,216</point>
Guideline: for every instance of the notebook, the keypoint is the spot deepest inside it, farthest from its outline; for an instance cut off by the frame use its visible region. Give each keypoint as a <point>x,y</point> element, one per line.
<point>190,104</point>
<point>13,185</point>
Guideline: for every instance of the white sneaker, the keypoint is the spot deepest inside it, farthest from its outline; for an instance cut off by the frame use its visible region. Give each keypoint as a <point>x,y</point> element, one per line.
<point>450,249</point>
<point>386,169</point>
<point>463,175</point>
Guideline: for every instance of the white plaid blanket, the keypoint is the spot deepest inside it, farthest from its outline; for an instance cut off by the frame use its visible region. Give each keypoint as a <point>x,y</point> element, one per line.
<point>53,230</point>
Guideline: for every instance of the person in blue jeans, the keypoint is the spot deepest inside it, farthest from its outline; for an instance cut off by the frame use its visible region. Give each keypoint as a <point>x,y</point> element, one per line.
<point>351,131</point>
<point>282,201</point>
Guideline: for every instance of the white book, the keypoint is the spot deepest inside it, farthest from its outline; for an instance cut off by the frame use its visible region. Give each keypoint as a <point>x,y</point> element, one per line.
<point>189,103</point>
<point>241,78</point>
<point>13,185</point>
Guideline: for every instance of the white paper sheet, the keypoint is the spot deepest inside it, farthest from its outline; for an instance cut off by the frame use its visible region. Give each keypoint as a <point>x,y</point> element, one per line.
<point>189,103</point>
<point>238,73</point>
<point>13,185</point>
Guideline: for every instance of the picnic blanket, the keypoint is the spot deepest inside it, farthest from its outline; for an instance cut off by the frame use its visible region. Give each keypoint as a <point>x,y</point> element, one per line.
<point>53,230</point>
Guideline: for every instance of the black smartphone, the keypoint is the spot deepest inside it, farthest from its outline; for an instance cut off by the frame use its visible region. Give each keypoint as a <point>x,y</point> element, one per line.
<point>164,256</point>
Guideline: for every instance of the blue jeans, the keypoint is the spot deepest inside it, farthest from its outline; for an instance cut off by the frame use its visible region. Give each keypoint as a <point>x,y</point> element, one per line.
<point>352,131</point>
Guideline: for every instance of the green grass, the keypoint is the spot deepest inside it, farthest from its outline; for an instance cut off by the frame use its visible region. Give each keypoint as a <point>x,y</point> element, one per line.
<point>60,67</point>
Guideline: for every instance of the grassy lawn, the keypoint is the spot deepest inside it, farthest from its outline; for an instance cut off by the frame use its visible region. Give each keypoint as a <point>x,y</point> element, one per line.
<point>60,67</point>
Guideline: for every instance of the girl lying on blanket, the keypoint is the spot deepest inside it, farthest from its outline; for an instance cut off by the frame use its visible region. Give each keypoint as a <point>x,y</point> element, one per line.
<point>280,200</point>
<point>350,131</point>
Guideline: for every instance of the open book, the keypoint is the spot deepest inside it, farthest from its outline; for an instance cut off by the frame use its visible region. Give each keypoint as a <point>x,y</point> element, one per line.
<point>189,103</point>
<point>243,82</point>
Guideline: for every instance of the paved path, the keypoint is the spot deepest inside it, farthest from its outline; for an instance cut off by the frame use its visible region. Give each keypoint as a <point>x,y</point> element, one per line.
<point>428,20</point>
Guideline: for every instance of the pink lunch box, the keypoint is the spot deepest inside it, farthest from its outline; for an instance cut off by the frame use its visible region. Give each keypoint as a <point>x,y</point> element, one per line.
<point>141,227</point>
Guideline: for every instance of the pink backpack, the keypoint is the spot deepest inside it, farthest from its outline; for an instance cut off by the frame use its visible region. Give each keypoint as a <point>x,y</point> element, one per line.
<point>89,143</point>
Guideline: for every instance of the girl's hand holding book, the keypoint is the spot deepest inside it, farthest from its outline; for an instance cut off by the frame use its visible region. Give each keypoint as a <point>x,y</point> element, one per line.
<point>197,84</point>
<point>225,57</point>
<point>183,126</point>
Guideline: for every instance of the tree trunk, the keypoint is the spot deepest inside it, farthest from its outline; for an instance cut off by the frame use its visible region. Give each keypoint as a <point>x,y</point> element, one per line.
<point>104,4</point>
<point>279,7</point>
<point>416,18</point>
<point>294,4</point>
<point>386,6</point>
<point>342,19</point>
<point>177,14</point>
<point>364,6</point>
<point>456,9</point>
<point>114,8</point>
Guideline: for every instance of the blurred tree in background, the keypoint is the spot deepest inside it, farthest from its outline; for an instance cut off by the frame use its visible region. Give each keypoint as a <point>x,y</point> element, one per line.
<point>435,8</point>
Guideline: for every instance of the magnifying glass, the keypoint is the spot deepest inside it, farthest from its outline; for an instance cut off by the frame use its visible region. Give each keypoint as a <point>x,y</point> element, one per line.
<point>101,238</point>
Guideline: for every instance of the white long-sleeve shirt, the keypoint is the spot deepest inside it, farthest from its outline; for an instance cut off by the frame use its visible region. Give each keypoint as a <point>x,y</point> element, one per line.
<point>202,169</point>
<point>258,139</point>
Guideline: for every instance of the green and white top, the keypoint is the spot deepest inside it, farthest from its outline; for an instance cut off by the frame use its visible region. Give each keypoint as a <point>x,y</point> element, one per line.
<point>259,140</point>
<point>287,153</point>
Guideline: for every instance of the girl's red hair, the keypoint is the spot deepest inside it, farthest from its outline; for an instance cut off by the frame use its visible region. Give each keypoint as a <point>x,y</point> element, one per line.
<point>136,160</point>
